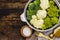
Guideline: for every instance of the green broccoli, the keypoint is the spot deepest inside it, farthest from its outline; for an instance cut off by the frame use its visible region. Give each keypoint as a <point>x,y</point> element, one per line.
<point>30,13</point>
<point>37,2</point>
<point>31,6</point>
<point>47,22</point>
<point>29,18</point>
<point>54,20</point>
<point>34,5</point>
<point>32,9</point>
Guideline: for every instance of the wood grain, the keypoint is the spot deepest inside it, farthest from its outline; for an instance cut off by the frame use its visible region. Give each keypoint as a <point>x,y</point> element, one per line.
<point>10,23</point>
<point>12,4</point>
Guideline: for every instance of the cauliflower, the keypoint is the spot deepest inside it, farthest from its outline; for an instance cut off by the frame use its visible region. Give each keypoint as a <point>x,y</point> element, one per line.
<point>40,22</point>
<point>41,14</point>
<point>44,4</point>
<point>37,23</point>
<point>32,21</point>
<point>34,17</point>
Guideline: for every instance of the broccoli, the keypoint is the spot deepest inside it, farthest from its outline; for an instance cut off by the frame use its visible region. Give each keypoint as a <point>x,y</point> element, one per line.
<point>37,2</point>
<point>47,22</point>
<point>31,6</point>
<point>30,13</point>
<point>54,20</point>
<point>34,5</point>
<point>29,18</point>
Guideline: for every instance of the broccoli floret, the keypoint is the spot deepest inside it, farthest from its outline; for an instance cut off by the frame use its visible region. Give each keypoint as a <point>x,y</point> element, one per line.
<point>31,6</point>
<point>30,13</point>
<point>37,2</point>
<point>34,5</point>
<point>54,20</point>
<point>47,22</point>
<point>29,18</point>
<point>32,9</point>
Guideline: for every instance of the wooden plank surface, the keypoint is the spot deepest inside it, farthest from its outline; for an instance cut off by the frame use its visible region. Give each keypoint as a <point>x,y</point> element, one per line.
<point>10,23</point>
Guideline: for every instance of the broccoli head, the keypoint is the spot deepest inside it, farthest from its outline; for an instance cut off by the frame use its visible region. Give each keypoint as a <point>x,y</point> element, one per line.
<point>37,2</point>
<point>30,13</point>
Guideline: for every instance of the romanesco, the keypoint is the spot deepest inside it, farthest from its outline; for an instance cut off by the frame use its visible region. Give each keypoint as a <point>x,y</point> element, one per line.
<point>52,10</point>
<point>47,22</point>
<point>54,20</point>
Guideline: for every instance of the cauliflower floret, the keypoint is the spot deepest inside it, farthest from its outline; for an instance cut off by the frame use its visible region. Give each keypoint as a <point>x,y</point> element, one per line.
<point>44,4</point>
<point>33,21</point>
<point>40,22</point>
<point>37,23</point>
<point>41,14</point>
<point>34,17</point>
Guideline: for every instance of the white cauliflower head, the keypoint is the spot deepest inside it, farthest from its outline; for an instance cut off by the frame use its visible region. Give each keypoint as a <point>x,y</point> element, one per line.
<point>41,14</point>
<point>44,4</point>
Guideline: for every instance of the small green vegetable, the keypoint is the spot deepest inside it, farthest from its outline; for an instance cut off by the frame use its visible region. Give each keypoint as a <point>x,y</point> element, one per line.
<point>31,6</point>
<point>29,17</point>
<point>44,27</point>
<point>53,10</point>
<point>30,13</point>
<point>47,22</point>
<point>51,2</point>
<point>37,2</point>
<point>54,20</point>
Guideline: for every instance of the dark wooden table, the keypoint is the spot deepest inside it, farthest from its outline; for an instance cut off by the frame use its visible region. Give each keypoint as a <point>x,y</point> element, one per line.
<point>10,23</point>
